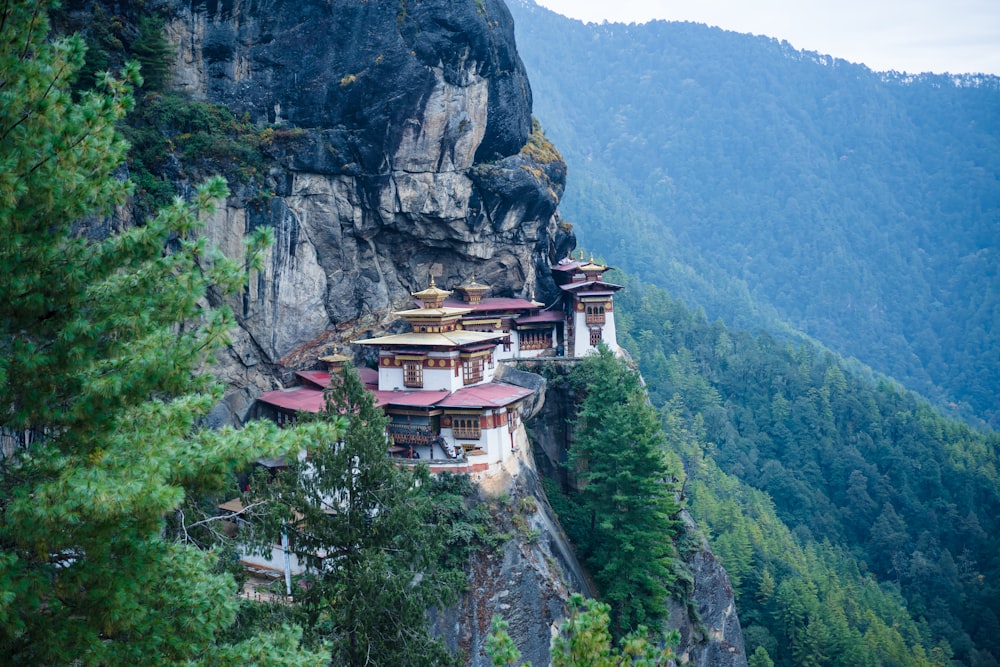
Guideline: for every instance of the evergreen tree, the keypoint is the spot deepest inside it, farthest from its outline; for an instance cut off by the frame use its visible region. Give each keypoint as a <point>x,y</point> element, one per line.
<point>760,658</point>
<point>369,531</point>
<point>99,397</point>
<point>154,53</point>
<point>622,514</point>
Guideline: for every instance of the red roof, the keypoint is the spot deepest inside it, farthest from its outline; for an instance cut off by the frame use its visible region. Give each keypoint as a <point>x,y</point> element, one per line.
<point>306,399</point>
<point>319,378</point>
<point>416,398</point>
<point>489,395</point>
<point>544,316</point>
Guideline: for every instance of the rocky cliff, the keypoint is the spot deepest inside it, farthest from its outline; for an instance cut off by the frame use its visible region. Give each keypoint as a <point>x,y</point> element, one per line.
<point>400,145</point>
<point>398,152</point>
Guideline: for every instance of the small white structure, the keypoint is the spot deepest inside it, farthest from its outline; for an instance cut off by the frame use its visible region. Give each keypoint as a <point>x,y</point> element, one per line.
<point>588,304</point>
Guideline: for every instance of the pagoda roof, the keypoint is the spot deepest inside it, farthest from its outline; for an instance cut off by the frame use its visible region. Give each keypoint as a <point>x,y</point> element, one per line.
<point>570,264</point>
<point>589,285</point>
<point>488,395</point>
<point>472,290</point>
<point>440,312</point>
<point>566,265</point>
<point>473,284</point>
<point>450,339</point>
<point>433,295</point>
<point>305,399</point>
<point>495,303</point>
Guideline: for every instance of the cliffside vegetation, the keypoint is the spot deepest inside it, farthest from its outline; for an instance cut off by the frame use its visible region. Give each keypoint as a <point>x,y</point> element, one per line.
<point>773,186</point>
<point>620,510</point>
<point>858,525</point>
<point>100,346</point>
<point>384,543</point>
<point>584,640</point>
<point>173,138</point>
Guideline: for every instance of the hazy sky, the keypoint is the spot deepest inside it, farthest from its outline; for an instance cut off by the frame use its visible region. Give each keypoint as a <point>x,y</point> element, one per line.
<point>913,36</point>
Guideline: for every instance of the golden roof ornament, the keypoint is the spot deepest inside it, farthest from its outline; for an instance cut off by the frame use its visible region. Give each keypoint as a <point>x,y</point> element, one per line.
<point>591,267</point>
<point>432,297</point>
<point>334,362</point>
<point>472,292</point>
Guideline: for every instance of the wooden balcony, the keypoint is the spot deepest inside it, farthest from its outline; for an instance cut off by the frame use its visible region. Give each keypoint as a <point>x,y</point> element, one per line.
<point>411,434</point>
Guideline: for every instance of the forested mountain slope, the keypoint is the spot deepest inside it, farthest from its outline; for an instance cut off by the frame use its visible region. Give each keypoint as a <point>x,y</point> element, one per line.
<point>767,185</point>
<point>884,500</point>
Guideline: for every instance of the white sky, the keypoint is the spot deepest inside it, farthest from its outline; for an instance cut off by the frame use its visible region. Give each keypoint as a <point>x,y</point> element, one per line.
<point>915,36</point>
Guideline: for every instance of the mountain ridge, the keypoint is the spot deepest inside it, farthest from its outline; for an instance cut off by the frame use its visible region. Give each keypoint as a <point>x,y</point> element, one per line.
<point>773,186</point>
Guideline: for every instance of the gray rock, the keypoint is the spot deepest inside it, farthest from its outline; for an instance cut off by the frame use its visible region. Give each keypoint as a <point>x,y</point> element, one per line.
<point>397,131</point>
<point>396,134</point>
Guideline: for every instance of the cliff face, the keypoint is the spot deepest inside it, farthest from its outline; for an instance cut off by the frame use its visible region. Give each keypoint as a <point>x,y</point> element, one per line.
<point>397,140</point>
<point>397,154</point>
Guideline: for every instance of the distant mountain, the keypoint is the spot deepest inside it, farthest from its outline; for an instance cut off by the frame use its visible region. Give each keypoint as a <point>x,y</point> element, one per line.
<point>769,185</point>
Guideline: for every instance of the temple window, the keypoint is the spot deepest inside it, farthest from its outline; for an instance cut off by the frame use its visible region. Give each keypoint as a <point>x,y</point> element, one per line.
<point>466,428</point>
<point>595,313</point>
<point>472,370</point>
<point>512,419</point>
<point>595,336</point>
<point>413,374</point>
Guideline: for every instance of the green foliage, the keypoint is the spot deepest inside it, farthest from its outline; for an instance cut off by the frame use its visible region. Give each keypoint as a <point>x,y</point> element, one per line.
<point>760,658</point>
<point>770,186</point>
<point>853,519</point>
<point>100,343</point>
<point>170,129</point>
<point>376,537</point>
<point>500,648</point>
<point>585,641</point>
<point>621,517</point>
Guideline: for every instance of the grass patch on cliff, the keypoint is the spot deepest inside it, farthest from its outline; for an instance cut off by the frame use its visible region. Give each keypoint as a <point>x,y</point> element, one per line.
<point>539,148</point>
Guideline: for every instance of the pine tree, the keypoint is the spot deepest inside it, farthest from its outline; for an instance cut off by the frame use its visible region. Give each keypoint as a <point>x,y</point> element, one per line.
<point>370,534</point>
<point>625,505</point>
<point>100,401</point>
<point>154,53</point>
